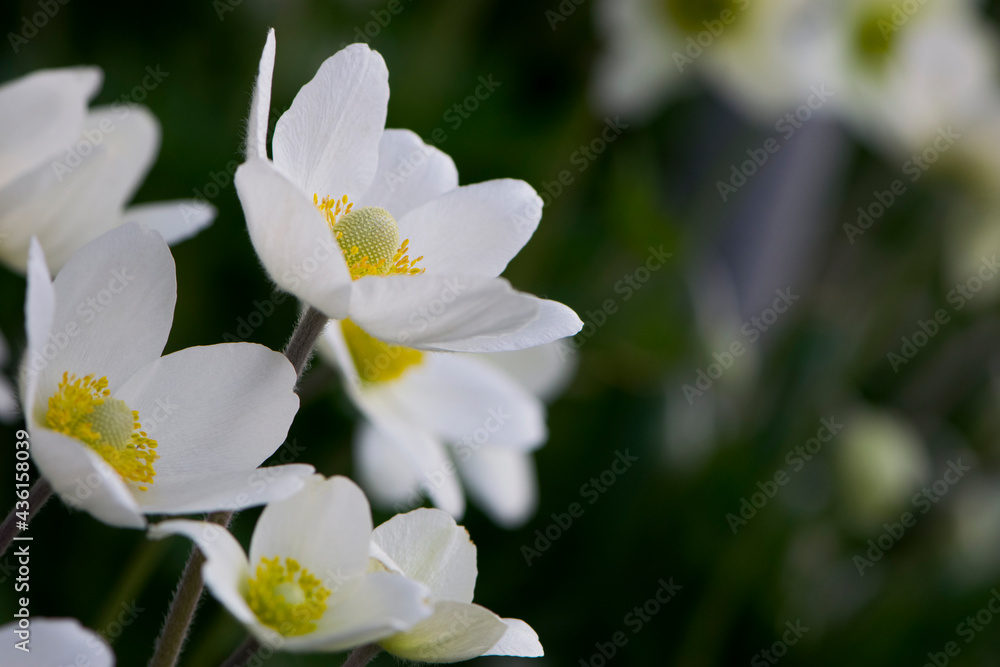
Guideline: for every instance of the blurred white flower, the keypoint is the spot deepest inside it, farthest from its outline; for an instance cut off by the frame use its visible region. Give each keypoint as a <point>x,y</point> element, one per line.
<point>307,586</point>
<point>54,642</point>
<point>742,48</point>
<point>882,461</point>
<point>432,418</point>
<point>427,546</point>
<point>337,214</point>
<point>67,174</point>
<point>118,430</point>
<point>9,410</point>
<point>974,548</point>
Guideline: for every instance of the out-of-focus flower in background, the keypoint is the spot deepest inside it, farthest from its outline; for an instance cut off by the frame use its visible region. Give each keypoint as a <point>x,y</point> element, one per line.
<point>54,641</point>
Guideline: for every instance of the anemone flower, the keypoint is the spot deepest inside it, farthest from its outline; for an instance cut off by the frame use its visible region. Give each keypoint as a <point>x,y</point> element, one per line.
<point>53,642</point>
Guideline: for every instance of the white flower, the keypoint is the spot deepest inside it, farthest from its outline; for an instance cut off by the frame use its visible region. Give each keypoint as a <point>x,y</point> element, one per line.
<point>331,152</point>
<point>121,432</point>
<point>419,405</point>
<point>903,72</point>
<point>306,586</point>
<point>66,173</point>
<point>740,47</point>
<point>54,642</point>
<point>427,546</point>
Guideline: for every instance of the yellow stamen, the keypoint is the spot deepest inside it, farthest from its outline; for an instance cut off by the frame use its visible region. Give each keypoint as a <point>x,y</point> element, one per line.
<point>83,408</point>
<point>287,598</point>
<point>375,360</point>
<point>369,239</point>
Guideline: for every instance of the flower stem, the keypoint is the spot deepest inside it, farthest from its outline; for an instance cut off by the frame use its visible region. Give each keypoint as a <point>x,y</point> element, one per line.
<point>40,492</point>
<point>304,338</point>
<point>362,655</point>
<point>183,606</point>
<point>243,653</point>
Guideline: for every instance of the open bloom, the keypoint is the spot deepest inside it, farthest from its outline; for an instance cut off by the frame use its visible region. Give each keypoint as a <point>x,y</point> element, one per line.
<point>435,420</point>
<point>121,432</point>
<point>370,224</point>
<point>54,642</point>
<point>66,173</point>
<point>306,586</point>
<point>427,546</point>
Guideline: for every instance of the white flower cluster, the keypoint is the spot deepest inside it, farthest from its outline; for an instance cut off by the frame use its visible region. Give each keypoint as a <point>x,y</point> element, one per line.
<point>397,267</point>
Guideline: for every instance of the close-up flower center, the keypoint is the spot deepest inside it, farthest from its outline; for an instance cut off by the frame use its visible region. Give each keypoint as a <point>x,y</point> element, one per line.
<point>287,598</point>
<point>694,16</point>
<point>875,35</point>
<point>376,360</point>
<point>83,408</point>
<point>369,239</point>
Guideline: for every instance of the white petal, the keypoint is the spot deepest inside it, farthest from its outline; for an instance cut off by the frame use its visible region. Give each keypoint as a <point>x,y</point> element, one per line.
<point>114,307</point>
<point>327,141</point>
<point>222,491</point>
<point>426,455</point>
<point>410,173</point>
<point>55,642</point>
<point>388,478</point>
<point>214,409</point>
<point>364,610</point>
<point>502,481</point>
<point>83,480</point>
<point>260,107</point>
<point>81,194</point>
<point>474,230</point>
<point>39,312</point>
<point>462,399</point>
<point>292,239</point>
<point>225,570</point>
<point>325,527</point>
<point>40,114</point>
<point>544,370</point>
<point>456,632</point>
<point>429,547</point>
<point>176,221</point>
<point>519,640</point>
<point>438,313</point>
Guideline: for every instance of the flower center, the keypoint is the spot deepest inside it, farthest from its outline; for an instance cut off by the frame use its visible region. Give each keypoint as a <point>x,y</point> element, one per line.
<point>875,35</point>
<point>375,360</point>
<point>694,16</point>
<point>83,408</point>
<point>287,598</point>
<point>369,239</point>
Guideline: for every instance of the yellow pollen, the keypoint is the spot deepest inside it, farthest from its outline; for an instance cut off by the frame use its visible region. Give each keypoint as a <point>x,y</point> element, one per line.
<point>375,360</point>
<point>287,598</point>
<point>83,408</point>
<point>369,239</point>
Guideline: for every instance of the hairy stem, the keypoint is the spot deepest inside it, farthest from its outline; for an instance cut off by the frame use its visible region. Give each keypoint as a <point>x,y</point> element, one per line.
<point>362,655</point>
<point>39,494</point>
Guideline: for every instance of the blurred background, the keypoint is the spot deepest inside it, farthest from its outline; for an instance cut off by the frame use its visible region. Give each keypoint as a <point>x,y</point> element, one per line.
<point>806,389</point>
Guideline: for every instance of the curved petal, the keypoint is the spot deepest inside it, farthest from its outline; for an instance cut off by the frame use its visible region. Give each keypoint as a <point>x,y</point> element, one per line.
<point>502,481</point>
<point>39,312</point>
<point>175,221</point>
<point>292,239</point>
<point>544,370</point>
<point>83,480</point>
<point>428,546</point>
<point>473,230</point>
<point>81,194</point>
<point>327,141</point>
<point>226,491</point>
<point>326,527</point>
<point>114,307</point>
<point>363,610</point>
<point>410,173</point>
<point>40,114</point>
<point>214,409</point>
<point>465,400</point>
<point>225,570</point>
<point>519,640</point>
<point>455,632</point>
<point>260,107</point>
<point>55,641</point>
<point>388,478</point>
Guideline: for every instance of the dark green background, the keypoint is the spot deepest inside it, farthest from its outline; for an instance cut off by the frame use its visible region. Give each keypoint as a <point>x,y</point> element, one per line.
<point>655,185</point>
